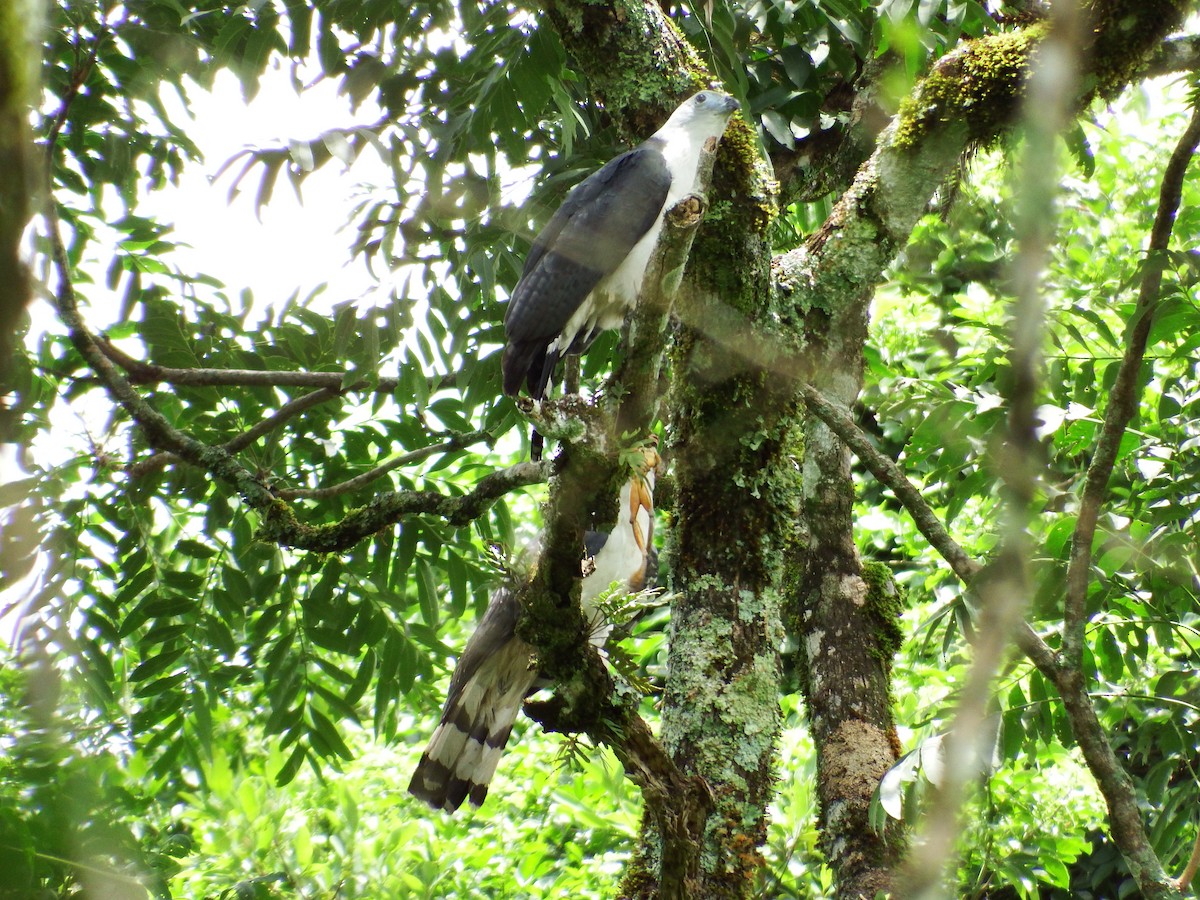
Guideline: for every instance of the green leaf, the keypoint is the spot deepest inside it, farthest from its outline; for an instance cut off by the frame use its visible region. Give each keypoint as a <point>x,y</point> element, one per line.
<point>427,593</point>
<point>288,770</point>
<point>328,734</point>
<point>195,549</point>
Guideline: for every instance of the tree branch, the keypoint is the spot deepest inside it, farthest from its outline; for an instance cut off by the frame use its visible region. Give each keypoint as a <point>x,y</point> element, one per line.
<point>826,161</point>
<point>1046,109</point>
<point>279,523</point>
<point>973,96</point>
<point>140,372</point>
<point>1193,865</point>
<point>159,432</point>
<point>1122,403</point>
<point>966,567</point>
<point>277,420</point>
<point>281,527</point>
<point>1177,54</point>
<point>83,65</point>
<point>635,384</point>
<point>1113,781</point>
<point>588,698</point>
<point>890,474</point>
<point>1102,761</point>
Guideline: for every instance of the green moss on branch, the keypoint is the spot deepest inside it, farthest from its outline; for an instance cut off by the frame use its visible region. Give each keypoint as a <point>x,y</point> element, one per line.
<point>978,86</point>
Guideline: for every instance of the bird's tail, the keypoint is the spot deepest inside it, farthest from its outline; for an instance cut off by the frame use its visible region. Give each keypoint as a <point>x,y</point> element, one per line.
<point>462,755</point>
<point>531,363</point>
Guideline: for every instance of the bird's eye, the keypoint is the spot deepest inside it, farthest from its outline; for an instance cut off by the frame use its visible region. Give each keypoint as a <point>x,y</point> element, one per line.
<point>701,97</point>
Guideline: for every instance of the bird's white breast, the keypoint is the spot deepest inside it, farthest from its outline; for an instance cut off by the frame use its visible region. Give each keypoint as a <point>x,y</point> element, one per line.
<point>622,557</point>
<point>617,292</point>
<point>682,153</point>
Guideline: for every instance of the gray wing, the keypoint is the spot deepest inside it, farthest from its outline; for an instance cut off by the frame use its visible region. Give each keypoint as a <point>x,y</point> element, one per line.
<point>497,627</point>
<point>589,237</point>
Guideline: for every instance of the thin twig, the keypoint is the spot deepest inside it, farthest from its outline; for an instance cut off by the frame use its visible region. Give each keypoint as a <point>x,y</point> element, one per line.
<point>160,433</point>
<point>458,442</point>
<point>279,523</point>
<point>279,418</point>
<point>276,420</point>
<point>890,474</point>
<point>78,77</point>
<point>1126,392</point>
<point>1193,864</point>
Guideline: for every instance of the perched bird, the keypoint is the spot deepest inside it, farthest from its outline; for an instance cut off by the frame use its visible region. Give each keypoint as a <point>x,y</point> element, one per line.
<point>585,268</point>
<point>496,671</point>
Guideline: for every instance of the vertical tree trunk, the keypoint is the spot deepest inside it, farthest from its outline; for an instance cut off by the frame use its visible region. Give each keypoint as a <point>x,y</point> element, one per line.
<point>844,613</point>
<point>736,502</point>
<point>736,499</point>
<point>847,630</point>
<point>19,26</point>
<point>845,620</point>
<point>738,435</point>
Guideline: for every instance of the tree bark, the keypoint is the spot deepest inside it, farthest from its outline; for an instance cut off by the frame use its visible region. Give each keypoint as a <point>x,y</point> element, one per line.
<point>735,473</point>
<point>737,435</point>
<point>846,623</point>
<point>968,100</point>
<point>19,21</point>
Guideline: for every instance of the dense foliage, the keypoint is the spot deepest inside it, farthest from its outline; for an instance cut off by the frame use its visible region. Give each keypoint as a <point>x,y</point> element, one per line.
<point>206,715</point>
<point>934,403</point>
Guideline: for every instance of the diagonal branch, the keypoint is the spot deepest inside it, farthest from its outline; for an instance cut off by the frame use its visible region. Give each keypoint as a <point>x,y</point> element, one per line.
<point>965,566</point>
<point>1193,865</point>
<point>1126,391</point>
<point>160,433</point>
<point>1046,110</point>
<point>637,381</point>
<point>83,66</point>
<point>890,474</point>
<point>457,442</point>
<point>279,523</point>
<point>276,420</point>
<point>281,527</point>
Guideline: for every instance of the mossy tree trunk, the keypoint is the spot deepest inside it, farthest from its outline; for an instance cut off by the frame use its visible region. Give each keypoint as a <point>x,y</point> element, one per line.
<point>846,626</point>
<point>19,23</point>
<point>730,439</point>
<point>732,429</point>
<point>758,483</point>
<point>843,609</point>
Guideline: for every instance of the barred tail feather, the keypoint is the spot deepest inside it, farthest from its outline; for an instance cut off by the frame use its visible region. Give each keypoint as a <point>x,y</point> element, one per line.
<point>462,755</point>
